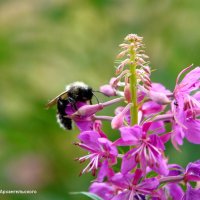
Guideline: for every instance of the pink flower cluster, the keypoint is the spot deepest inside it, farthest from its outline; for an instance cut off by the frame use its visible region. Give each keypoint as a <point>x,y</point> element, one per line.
<point>134,166</point>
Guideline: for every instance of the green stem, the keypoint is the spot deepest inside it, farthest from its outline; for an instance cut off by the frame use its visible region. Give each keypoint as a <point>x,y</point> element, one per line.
<point>133,88</point>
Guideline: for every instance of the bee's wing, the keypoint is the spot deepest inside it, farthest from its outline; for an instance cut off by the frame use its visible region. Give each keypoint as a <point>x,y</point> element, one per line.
<point>51,103</point>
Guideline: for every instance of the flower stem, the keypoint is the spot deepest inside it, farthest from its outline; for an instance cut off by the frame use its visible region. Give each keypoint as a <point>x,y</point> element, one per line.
<point>133,88</point>
<point>172,179</point>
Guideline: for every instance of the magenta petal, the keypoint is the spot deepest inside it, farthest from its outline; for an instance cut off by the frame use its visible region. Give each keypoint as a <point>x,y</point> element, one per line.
<point>121,142</point>
<point>165,138</point>
<point>177,136</point>
<point>151,107</point>
<point>128,162</point>
<point>107,146</point>
<point>105,171</point>
<point>70,109</point>
<point>197,96</point>
<point>175,170</point>
<point>157,142</point>
<point>190,81</point>
<point>143,162</point>
<point>132,134</point>
<point>122,196</point>
<point>160,87</point>
<point>122,180</point>
<point>84,125</point>
<point>161,166</point>
<point>89,137</point>
<point>176,192</point>
<point>192,194</point>
<point>146,126</point>
<point>150,184</point>
<point>193,171</point>
<point>157,127</point>
<point>192,133</point>
<point>160,195</point>
<point>137,176</point>
<point>103,190</point>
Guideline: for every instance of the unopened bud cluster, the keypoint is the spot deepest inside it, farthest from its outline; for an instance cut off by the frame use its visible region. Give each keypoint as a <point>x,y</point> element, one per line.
<point>133,54</point>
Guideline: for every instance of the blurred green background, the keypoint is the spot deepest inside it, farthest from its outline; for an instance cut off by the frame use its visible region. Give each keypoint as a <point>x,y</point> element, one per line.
<point>46,44</point>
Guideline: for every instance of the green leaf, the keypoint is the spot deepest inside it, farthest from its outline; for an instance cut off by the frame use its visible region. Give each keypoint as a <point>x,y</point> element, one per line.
<point>88,194</point>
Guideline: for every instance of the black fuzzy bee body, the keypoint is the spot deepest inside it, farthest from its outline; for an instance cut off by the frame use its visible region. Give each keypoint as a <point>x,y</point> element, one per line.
<point>62,119</point>
<point>75,92</point>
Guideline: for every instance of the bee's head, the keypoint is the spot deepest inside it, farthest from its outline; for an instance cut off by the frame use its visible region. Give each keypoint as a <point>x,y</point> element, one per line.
<point>79,91</point>
<point>84,94</point>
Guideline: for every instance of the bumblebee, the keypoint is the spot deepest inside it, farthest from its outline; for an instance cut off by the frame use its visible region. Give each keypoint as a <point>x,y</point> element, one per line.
<point>75,92</point>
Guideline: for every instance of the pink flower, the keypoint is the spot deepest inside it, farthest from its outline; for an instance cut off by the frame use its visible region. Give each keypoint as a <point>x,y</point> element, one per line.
<point>108,90</point>
<point>111,88</point>
<point>101,153</point>
<point>130,186</point>
<point>148,149</point>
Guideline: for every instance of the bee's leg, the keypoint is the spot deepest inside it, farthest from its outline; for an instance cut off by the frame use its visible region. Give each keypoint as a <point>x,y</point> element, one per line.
<point>61,105</point>
<point>72,102</point>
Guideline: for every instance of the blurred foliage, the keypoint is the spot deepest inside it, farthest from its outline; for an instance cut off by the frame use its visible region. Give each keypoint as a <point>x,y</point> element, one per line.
<point>46,44</point>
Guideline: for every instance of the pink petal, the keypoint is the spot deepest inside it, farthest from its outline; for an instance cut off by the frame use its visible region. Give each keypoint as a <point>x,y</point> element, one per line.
<point>190,81</point>
<point>128,162</point>
<point>108,90</point>
<point>176,191</point>
<point>151,107</point>
<point>157,127</point>
<point>192,194</point>
<point>192,133</point>
<point>132,134</point>
<point>103,190</point>
<point>122,180</point>
<point>150,184</point>
<point>122,196</point>
<point>105,171</point>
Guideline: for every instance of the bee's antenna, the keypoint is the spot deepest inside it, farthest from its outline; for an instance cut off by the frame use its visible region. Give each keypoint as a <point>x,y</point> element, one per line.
<point>100,92</point>
<point>97,91</point>
<point>96,97</point>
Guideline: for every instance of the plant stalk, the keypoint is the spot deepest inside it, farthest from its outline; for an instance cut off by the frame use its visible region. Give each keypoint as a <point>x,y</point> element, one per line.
<point>133,88</point>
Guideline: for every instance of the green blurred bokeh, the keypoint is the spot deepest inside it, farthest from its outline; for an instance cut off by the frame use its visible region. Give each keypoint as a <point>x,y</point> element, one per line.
<point>46,44</point>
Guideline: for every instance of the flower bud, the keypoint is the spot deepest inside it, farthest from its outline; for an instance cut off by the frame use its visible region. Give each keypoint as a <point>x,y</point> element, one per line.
<point>88,110</point>
<point>108,90</point>
<point>159,97</point>
<point>117,121</point>
<point>127,93</point>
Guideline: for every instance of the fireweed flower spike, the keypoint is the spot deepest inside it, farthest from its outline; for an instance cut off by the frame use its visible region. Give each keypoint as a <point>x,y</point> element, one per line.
<point>134,165</point>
